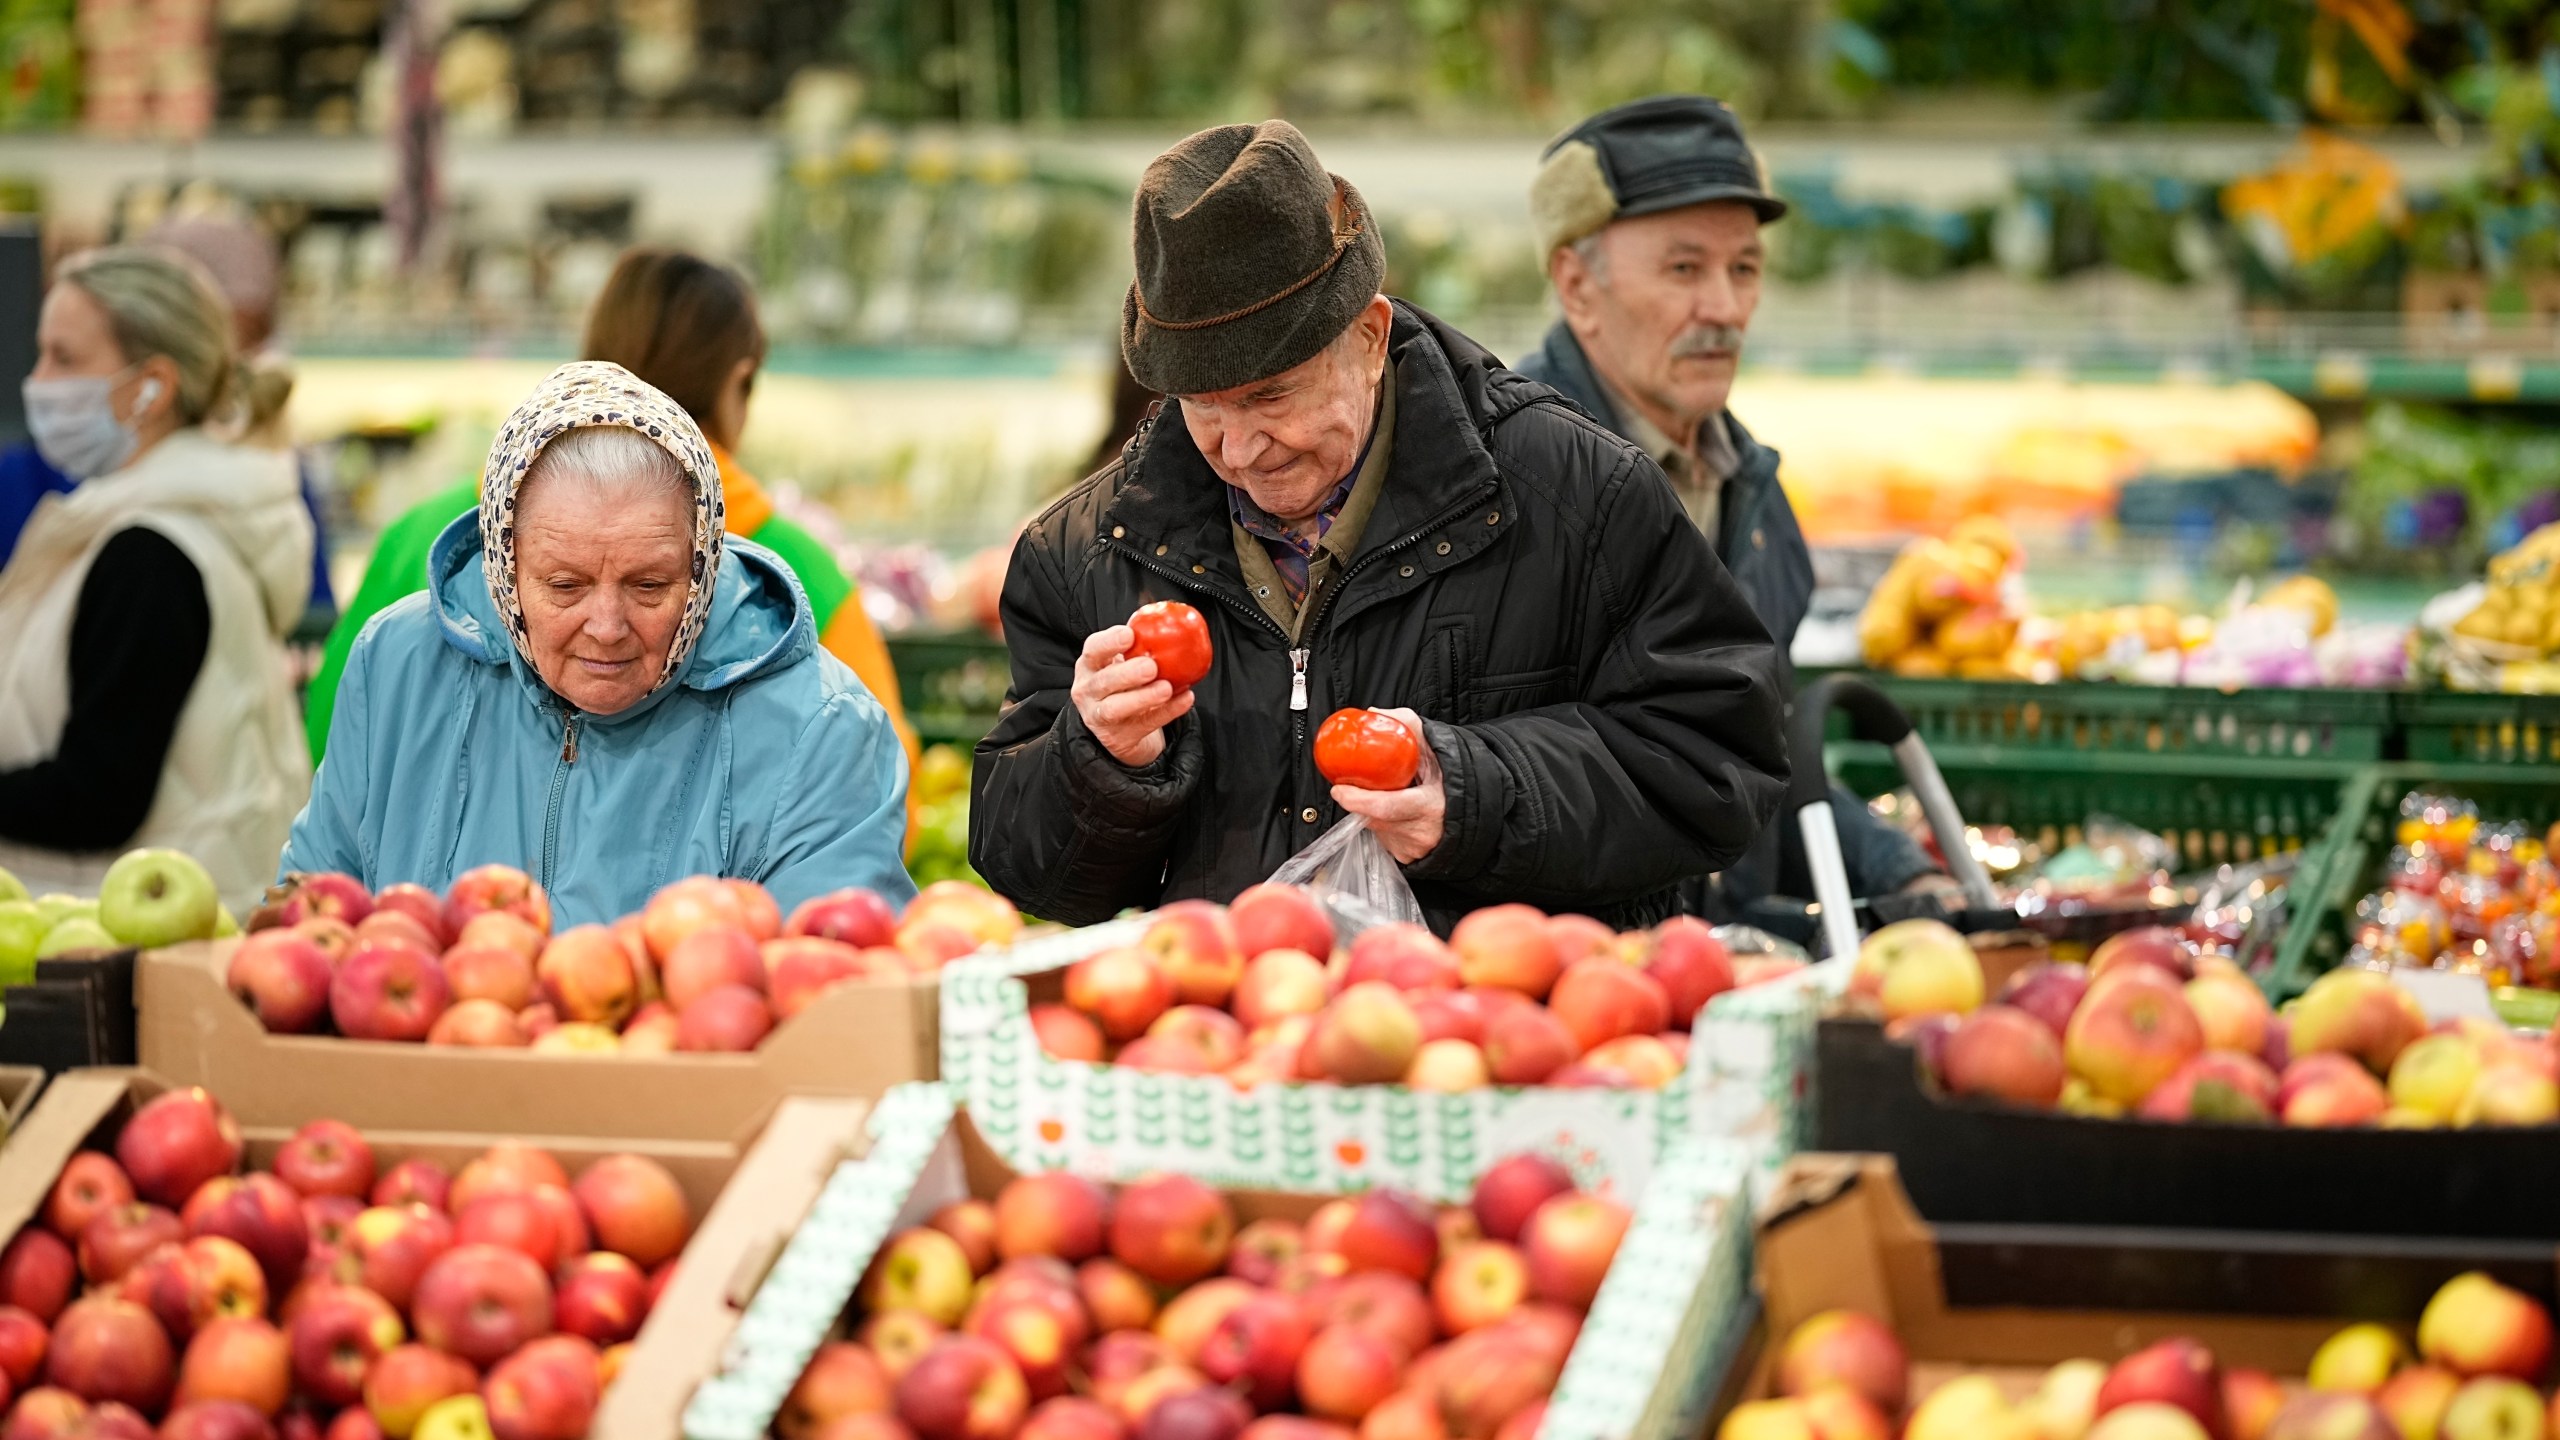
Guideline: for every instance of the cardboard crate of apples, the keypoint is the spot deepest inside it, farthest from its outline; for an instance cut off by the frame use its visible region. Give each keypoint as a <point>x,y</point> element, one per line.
<point>171,1269</point>
<point>700,1010</point>
<point>1251,1044</point>
<point>998,1305</point>
<point>2482,1349</point>
<point>2156,1029</point>
<point>1878,1325</point>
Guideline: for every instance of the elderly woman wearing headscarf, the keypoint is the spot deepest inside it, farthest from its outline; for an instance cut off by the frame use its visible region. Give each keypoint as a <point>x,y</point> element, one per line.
<point>600,688</point>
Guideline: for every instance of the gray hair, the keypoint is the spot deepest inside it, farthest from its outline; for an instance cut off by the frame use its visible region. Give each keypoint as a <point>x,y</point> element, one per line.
<point>612,458</point>
<point>1594,254</point>
<point>159,302</point>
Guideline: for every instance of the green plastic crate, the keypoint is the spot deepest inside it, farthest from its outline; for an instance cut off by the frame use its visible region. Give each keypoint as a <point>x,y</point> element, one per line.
<point>2213,809</point>
<point>2335,728</point>
<point>2350,860</point>
<point>953,683</point>
<point>2448,728</point>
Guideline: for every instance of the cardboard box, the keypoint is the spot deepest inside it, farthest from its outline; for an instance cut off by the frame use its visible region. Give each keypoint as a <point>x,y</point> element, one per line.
<point>1746,1080</point>
<point>746,1200</point>
<point>1980,1162</point>
<point>1659,1329</point>
<point>19,1087</point>
<point>858,1039</point>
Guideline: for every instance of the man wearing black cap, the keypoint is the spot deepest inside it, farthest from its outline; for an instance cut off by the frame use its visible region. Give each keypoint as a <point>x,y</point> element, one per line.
<point>1370,511</point>
<point>1649,216</point>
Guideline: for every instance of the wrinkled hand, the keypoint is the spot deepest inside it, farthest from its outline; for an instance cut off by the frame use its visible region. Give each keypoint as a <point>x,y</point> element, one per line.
<point>1122,702</point>
<point>1408,820</point>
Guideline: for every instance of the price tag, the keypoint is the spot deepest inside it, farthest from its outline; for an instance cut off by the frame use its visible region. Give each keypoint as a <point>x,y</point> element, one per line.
<point>2447,994</point>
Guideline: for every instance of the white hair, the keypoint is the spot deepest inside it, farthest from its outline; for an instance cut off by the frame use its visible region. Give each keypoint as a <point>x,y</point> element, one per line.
<point>612,458</point>
<point>1594,254</point>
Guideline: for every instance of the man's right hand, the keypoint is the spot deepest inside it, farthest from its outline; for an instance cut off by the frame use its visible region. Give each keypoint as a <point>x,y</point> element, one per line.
<point>1121,700</point>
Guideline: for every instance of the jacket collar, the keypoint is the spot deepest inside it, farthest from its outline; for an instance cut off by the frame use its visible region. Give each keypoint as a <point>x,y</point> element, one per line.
<point>1170,508</point>
<point>760,619</point>
<point>1561,363</point>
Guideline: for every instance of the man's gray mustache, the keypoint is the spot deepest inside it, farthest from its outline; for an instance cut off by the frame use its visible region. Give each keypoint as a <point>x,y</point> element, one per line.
<point>1707,340</point>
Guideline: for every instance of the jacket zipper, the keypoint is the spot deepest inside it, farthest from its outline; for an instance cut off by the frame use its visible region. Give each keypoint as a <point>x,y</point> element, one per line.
<point>559,785</point>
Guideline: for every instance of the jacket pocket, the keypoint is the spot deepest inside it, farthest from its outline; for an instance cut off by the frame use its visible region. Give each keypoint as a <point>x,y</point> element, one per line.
<point>1498,695</point>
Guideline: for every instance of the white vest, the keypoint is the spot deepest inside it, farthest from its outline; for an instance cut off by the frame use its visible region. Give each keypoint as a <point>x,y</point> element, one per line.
<point>238,768</point>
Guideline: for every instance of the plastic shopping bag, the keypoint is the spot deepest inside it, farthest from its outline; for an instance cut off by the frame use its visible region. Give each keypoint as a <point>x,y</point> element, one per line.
<point>1354,878</point>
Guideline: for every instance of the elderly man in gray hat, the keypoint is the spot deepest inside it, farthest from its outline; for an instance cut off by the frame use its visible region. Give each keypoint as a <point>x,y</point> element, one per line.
<point>1649,215</point>
<point>1369,511</point>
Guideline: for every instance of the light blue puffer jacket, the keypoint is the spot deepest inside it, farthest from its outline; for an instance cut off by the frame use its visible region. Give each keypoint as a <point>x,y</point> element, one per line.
<point>767,761</point>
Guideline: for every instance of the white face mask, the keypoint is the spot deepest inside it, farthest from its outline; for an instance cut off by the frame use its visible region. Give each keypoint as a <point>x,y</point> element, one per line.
<point>73,421</point>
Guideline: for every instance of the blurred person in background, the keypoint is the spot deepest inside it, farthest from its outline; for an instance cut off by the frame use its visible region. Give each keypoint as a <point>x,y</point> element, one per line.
<point>687,328</point>
<point>1649,215</point>
<point>147,694</point>
<point>600,686</point>
<point>1367,510</point>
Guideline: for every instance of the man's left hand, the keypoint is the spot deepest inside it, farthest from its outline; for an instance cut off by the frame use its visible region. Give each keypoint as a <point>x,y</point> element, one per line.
<point>1408,820</point>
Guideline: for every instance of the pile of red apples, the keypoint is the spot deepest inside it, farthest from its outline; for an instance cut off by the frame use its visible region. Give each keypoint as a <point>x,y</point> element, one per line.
<point>2482,1347</point>
<point>708,965</point>
<point>160,1286</point>
<point>2156,1029</point>
<point>1068,1311</point>
<point>1258,991</point>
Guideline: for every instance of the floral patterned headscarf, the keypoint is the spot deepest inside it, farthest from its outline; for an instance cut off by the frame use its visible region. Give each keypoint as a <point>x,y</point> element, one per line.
<point>578,395</point>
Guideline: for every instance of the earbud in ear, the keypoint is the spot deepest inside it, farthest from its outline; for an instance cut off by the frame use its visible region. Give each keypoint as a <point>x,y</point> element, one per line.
<point>145,396</point>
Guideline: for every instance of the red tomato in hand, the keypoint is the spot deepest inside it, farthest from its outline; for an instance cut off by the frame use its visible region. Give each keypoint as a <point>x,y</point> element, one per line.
<point>1367,751</point>
<point>1176,637</point>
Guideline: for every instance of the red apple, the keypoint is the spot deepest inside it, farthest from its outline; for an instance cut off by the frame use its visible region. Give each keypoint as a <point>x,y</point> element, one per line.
<point>382,927</point>
<point>679,910</point>
<point>708,959</point>
<point>2156,946</point>
<point>1527,1044</point>
<point>1497,1375</point>
<point>89,1183</point>
<point>2004,1054</point>
<point>1846,1348</point>
<point>214,1420</point>
<point>2050,991</point>
<point>1269,917</point>
<point>326,1157</point>
<point>1261,1248</point>
<point>2251,1400</point>
<point>1507,946</point>
<point>516,1221</point>
<point>963,1388</point>
<point>587,975</point>
<point>414,1182</point>
<point>506,1168</point>
<point>728,1019</point>
<point>389,1249</point>
<point>635,1208</point>
<point>2357,1012</point>
<point>481,1302</point>
<point>1200,1414</point>
<point>1367,1036</point>
<point>973,1223</point>
<point>1571,1242</point>
<point>1405,957</point>
<point>900,1338</point>
<point>109,1349</point>
<point>479,1024</point>
<point>1191,941</point>
<point>1451,1014</point>
<point>1124,991</point>
<point>1208,1039</point>
<point>603,1298</point>
<point>2474,1326</point>
<point>175,1143</point>
<point>1512,1189</point>
<point>1392,1231</point>
<point>1171,1229</point>
<point>408,1379</point>
<point>388,992</point>
<point>341,897</point>
<point>419,904</point>
<point>530,1397</point>
<point>357,1424</point>
<point>1068,1417</point>
<point>2176,1372</point>
<point>799,970</point>
<point>1603,999</point>
<point>852,916</point>
<point>2330,1097</point>
<point>498,930</point>
<point>48,1413</point>
<point>263,1214</point>
<point>1117,1297</point>
<point>1256,1348</point>
<point>116,1240</point>
<point>1579,937</point>
<point>2132,1031</point>
<point>1690,963</point>
<point>1277,984</point>
<point>1345,1372</point>
<point>493,973</point>
<point>242,1359</point>
<point>1192,1315</point>
<point>2218,1085</point>
<point>1037,1335</point>
<point>841,1379</point>
<point>22,1345</point>
<point>1065,1034</point>
<point>1478,1284</point>
<point>503,888</point>
<point>1050,1213</point>
<point>284,977</point>
<point>1388,1305</point>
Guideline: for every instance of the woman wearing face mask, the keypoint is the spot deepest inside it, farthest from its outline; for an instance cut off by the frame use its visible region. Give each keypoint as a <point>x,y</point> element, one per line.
<point>600,687</point>
<point>142,616</point>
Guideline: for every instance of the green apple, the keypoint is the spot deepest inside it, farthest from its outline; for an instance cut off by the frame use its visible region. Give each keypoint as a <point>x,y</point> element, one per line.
<point>225,924</point>
<point>22,929</point>
<point>11,887</point>
<point>58,907</point>
<point>152,898</point>
<point>75,933</point>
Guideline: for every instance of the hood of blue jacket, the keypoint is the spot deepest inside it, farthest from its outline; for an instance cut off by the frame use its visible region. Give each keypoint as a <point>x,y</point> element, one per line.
<point>760,617</point>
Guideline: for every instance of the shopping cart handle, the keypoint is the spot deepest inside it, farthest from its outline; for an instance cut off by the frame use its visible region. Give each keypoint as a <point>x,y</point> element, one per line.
<point>1872,716</point>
